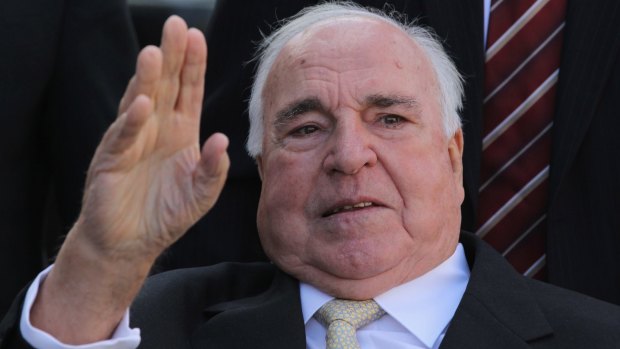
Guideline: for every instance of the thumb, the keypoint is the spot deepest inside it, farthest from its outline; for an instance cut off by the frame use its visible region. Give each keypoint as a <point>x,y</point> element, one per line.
<point>211,172</point>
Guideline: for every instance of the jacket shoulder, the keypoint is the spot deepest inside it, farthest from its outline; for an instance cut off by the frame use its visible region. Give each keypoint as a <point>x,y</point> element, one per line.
<point>578,321</point>
<point>176,301</point>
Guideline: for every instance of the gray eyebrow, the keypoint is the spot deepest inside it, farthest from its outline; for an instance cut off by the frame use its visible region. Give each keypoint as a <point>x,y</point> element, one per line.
<point>297,108</point>
<point>384,101</point>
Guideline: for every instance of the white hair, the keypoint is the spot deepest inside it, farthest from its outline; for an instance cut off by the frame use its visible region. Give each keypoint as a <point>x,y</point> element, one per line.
<point>449,80</point>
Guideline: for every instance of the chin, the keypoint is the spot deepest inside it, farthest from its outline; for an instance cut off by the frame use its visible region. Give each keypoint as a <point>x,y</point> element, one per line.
<point>361,261</point>
<point>358,270</point>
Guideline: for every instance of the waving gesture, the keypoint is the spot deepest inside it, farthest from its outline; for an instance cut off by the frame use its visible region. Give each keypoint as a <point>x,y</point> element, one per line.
<point>148,182</point>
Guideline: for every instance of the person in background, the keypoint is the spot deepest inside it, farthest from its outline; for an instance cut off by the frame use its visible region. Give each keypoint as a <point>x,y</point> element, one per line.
<point>63,68</point>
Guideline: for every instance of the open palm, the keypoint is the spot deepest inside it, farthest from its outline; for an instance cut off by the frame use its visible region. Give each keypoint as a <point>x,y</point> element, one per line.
<point>149,181</point>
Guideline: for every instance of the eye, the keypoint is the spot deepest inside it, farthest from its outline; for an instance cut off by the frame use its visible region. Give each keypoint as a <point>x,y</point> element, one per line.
<point>304,130</point>
<point>391,120</point>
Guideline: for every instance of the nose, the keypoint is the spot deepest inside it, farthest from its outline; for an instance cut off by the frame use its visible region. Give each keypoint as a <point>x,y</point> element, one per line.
<point>350,148</point>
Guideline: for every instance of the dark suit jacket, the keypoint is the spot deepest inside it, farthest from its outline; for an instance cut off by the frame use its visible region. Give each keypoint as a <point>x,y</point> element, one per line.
<point>243,305</point>
<point>583,223</point>
<point>64,65</point>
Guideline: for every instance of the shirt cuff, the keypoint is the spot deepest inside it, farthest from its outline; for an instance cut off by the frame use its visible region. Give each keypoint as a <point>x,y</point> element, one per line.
<point>123,337</point>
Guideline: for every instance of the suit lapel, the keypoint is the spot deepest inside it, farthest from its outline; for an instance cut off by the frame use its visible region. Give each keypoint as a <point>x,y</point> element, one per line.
<point>250,322</point>
<point>591,43</point>
<point>497,310</point>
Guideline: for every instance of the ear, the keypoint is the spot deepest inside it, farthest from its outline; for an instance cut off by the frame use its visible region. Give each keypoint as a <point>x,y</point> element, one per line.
<point>455,152</point>
<point>259,163</point>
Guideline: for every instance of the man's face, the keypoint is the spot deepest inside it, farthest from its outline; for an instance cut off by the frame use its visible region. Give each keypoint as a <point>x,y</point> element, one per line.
<point>361,187</point>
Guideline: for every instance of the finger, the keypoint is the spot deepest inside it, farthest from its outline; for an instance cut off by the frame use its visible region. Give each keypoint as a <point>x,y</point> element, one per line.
<point>192,75</point>
<point>122,134</point>
<point>211,172</point>
<point>144,82</point>
<point>126,130</point>
<point>173,44</point>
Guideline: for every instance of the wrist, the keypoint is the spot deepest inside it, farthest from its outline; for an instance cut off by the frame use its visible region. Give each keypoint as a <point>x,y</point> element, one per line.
<point>88,289</point>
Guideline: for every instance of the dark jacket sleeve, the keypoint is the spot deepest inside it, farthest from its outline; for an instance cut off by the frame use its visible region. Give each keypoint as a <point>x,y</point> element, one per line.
<point>10,335</point>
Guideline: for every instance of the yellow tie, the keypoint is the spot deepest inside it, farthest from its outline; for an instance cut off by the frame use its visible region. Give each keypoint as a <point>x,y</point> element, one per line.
<point>343,317</point>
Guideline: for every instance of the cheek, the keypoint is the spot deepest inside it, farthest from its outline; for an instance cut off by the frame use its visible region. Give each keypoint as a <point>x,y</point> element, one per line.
<point>425,182</point>
<point>286,183</point>
<point>281,218</point>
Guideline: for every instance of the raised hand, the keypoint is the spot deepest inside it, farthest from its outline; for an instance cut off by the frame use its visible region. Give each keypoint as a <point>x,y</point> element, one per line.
<point>148,182</point>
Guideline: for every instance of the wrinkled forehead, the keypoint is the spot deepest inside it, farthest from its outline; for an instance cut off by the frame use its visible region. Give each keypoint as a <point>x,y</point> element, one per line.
<point>364,57</point>
<point>352,39</point>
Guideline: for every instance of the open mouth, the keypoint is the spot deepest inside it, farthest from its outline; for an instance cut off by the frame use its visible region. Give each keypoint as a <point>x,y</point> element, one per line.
<point>346,208</point>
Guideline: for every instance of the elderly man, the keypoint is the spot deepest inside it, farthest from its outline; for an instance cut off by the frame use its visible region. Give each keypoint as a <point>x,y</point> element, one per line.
<point>356,134</point>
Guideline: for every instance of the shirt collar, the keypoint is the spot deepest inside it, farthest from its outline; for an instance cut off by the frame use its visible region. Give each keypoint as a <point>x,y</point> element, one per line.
<point>424,306</point>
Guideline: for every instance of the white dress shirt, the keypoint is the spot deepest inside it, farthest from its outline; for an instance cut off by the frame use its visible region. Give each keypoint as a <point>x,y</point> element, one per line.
<point>417,313</point>
<point>486,13</point>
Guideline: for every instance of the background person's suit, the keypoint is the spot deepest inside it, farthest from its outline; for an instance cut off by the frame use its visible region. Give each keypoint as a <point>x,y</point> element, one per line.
<point>257,306</point>
<point>583,236</point>
<point>583,223</point>
<point>64,65</point>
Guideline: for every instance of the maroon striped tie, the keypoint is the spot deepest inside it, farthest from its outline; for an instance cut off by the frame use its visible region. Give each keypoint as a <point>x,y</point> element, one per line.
<point>522,66</point>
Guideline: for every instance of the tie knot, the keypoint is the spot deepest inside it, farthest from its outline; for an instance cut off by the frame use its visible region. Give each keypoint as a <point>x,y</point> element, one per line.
<point>355,313</point>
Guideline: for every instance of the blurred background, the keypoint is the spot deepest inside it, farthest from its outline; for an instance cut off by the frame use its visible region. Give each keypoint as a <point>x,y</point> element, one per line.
<point>149,15</point>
